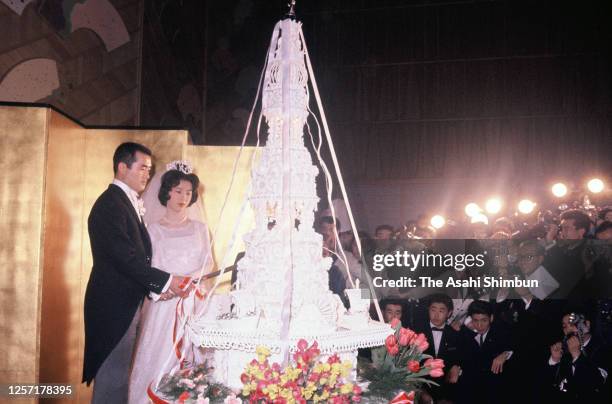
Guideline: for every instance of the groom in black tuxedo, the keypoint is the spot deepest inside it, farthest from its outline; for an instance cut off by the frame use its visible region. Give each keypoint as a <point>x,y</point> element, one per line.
<point>121,276</point>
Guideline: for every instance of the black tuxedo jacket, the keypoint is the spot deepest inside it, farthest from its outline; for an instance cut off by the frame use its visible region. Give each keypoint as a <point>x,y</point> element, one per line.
<point>120,278</point>
<point>478,384</point>
<point>481,357</point>
<point>449,349</point>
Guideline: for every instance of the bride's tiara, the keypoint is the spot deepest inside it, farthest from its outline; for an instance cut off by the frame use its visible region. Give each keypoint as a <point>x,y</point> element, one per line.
<point>183,166</point>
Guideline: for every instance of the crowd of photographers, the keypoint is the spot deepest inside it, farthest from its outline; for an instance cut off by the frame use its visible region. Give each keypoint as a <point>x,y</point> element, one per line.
<point>550,343</point>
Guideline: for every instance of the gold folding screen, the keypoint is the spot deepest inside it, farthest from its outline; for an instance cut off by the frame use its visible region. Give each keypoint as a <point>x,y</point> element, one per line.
<point>22,168</point>
<point>52,170</point>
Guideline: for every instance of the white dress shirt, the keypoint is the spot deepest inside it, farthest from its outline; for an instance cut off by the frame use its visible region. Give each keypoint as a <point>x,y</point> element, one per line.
<point>131,194</point>
<point>437,336</point>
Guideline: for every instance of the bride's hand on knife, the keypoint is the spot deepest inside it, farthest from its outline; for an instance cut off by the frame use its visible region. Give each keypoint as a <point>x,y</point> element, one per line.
<point>181,286</point>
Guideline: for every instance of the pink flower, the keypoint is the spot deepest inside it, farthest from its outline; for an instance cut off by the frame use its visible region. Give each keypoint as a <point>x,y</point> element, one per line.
<point>406,336</point>
<point>421,342</point>
<point>302,344</point>
<point>393,350</point>
<point>414,366</point>
<point>232,399</point>
<point>202,400</point>
<point>403,398</point>
<point>395,322</point>
<point>314,350</point>
<point>390,341</point>
<point>436,373</point>
<point>434,363</point>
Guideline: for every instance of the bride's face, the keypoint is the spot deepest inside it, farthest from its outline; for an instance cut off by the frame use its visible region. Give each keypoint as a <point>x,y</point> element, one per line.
<point>180,196</point>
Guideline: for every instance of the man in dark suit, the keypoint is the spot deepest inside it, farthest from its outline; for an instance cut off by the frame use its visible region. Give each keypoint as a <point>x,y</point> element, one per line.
<point>577,370</point>
<point>531,328</point>
<point>121,276</point>
<point>486,350</point>
<point>444,343</point>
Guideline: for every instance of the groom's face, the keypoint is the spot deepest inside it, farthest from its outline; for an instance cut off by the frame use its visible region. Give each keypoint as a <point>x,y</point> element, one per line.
<point>136,176</point>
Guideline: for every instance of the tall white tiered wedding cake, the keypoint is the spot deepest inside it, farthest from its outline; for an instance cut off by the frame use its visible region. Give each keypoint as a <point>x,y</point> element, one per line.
<point>283,283</point>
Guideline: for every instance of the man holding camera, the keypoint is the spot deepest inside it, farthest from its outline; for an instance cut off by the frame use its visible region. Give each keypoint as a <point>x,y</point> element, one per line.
<point>577,369</point>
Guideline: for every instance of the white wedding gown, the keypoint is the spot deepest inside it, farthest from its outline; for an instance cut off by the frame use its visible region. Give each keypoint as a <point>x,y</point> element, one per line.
<point>179,251</point>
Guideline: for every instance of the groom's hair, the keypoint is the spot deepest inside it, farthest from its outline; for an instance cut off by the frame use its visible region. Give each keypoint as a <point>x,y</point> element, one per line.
<point>171,179</point>
<point>126,153</point>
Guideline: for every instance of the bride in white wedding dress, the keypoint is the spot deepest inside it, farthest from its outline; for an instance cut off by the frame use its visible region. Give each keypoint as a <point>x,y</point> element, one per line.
<point>180,246</point>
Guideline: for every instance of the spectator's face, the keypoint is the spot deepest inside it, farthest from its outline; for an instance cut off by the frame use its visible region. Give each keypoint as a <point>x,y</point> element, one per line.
<point>438,314</point>
<point>328,246</point>
<point>528,259</point>
<point>569,230</point>
<point>327,230</point>
<point>392,311</point>
<point>605,235</point>
<point>383,234</point>
<point>481,322</point>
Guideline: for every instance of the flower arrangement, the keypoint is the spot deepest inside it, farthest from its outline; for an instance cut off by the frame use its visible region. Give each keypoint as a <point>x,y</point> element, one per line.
<point>401,364</point>
<point>309,380</point>
<point>192,386</point>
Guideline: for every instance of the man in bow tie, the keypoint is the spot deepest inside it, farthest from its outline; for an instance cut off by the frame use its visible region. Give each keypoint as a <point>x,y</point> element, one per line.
<point>444,343</point>
<point>121,276</point>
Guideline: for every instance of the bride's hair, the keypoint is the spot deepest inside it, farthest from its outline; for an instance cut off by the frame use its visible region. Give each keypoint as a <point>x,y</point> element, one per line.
<point>171,179</point>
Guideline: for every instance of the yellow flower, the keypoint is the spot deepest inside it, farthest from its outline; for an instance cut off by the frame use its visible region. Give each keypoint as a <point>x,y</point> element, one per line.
<point>323,381</point>
<point>336,368</point>
<point>286,394</point>
<point>347,388</point>
<point>309,390</point>
<point>332,380</point>
<point>347,366</point>
<point>262,353</point>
